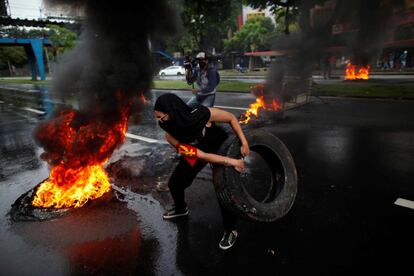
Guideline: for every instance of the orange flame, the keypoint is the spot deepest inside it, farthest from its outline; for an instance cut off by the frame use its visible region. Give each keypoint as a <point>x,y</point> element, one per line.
<point>77,154</point>
<point>256,106</point>
<point>351,74</point>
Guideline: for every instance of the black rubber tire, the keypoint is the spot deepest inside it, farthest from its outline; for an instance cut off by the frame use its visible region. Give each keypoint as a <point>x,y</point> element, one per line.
<point>232,194</point>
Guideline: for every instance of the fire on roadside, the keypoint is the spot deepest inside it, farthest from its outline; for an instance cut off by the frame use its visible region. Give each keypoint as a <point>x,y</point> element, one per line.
<point>260,104</point>
<point>351,72</point>
<point>78,149</point>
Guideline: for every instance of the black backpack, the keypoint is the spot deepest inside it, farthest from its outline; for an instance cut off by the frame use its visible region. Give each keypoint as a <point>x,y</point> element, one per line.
<point>218,77</point>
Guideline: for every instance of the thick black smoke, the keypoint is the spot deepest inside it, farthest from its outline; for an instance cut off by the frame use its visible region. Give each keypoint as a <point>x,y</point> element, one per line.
<point>291,75</point>
<point>108,72</point>
<point>113,51</point>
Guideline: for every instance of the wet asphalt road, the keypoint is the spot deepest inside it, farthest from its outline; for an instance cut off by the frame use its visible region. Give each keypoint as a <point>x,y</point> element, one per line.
<point>354,159</point>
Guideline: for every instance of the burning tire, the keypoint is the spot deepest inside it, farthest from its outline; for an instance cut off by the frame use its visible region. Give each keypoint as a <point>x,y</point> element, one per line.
<point>267,189</point>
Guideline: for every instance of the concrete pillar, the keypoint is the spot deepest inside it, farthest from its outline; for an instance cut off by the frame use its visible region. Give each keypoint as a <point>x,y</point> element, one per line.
<point>37,45</point>
<point>32,60</point>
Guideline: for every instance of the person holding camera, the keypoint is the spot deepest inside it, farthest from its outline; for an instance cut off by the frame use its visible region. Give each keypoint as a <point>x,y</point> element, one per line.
<point>206,77</point>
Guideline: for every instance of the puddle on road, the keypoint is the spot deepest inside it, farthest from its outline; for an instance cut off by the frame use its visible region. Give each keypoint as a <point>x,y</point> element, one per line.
<point>123,236</point>
<point>126,235</point>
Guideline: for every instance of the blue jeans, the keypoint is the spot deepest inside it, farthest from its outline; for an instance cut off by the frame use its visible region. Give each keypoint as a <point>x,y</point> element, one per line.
<point>207,101</point>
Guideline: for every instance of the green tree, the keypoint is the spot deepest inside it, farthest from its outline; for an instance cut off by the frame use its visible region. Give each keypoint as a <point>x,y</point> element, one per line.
<point>256,35</point>
<point>62,38</point>
<point>286,20</point>
<point>273,4</point>
<point>286,13</point>
<point>205,24</point>
<point>12,56</point>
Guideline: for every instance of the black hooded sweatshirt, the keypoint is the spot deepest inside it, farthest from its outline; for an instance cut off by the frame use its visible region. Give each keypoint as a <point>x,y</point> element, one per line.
<point>189,125</point>
<point>185,124</point>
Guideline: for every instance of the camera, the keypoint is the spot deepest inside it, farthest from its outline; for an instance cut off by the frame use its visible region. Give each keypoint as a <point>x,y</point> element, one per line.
<point>190,63</point>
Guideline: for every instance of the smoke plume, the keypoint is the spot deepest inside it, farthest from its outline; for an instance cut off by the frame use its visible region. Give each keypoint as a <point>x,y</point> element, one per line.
<point>113,51</point>
<point>110,69</point>
<point>367,26</point>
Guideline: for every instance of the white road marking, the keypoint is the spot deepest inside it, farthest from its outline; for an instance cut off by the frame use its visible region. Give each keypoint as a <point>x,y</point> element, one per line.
<point>34,110</point>
<point>404,203</point>
<point>145,139</point>
<point>1,102</point>
<point>230,107</point>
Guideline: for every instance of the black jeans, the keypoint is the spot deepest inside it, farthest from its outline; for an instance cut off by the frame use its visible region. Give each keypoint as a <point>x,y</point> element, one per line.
<point>184,174</point>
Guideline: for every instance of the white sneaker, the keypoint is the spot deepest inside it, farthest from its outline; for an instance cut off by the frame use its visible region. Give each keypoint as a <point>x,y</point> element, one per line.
<point>228,239</point>
<point>172,213</point>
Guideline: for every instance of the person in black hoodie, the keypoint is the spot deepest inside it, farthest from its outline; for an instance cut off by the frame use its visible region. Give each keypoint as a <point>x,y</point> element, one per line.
<point>197,138</point>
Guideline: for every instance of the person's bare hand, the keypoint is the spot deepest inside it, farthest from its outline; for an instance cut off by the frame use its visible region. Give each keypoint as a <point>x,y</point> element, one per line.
<point>245,150</point>
<point>238,164</point>
<point>194,90</point>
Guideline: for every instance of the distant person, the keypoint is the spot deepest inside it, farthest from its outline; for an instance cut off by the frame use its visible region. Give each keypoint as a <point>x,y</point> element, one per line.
<point>385,63</point>
<point>332,64</point>
<point>391,60</point>
<point>403,59</point>
<point>238,68</point>
<point>326,67</point>
<point>206,77</point>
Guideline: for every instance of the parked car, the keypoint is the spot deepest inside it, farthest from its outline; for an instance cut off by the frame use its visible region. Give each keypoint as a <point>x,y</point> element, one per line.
<point>172,71</point>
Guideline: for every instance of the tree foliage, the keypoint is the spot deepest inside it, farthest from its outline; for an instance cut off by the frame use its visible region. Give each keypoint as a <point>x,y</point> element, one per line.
<point>286,20</point>
<point>62,38</point>
<point>206,23</point>
<point>256,35</point>
<point>273,4</point>
<point>15,55</point>
<point>286,13</point>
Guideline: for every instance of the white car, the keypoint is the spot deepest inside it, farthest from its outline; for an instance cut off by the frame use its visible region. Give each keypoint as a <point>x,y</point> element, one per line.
<point>173,71</point>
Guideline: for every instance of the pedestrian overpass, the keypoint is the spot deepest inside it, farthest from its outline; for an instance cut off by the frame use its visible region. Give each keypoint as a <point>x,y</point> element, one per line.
<point>34,51</point>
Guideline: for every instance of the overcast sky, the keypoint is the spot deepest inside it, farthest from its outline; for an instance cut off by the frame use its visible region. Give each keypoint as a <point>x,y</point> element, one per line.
<point>31,9</point>
<point>26,8</point>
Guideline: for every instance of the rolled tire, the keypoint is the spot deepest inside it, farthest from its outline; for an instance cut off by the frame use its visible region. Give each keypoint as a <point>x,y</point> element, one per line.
<point>271,167</point>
